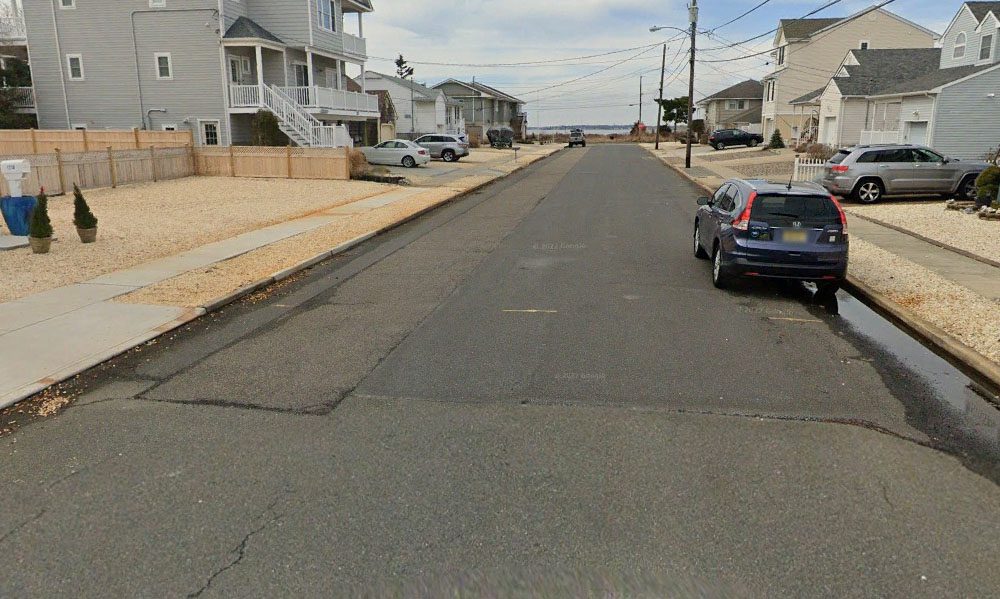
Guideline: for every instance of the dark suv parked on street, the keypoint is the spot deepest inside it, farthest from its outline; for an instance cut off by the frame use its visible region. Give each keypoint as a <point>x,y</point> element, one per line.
<point>726,138</point>
<point>762,229</point>
<point>866,173</point>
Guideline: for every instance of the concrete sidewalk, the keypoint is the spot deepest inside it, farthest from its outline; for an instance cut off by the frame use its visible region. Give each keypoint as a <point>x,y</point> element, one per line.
<point>51,336</point>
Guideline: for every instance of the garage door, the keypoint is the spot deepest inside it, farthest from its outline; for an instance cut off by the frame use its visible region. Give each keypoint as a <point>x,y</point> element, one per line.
<point>830,130</point>
<point>917,132</point>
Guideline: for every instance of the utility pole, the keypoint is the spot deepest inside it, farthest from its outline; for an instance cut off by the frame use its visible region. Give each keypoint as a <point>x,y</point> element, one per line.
<point>659,104</point>
<point>693,15</point>
<point>640,99</point>
<point>413,112</point>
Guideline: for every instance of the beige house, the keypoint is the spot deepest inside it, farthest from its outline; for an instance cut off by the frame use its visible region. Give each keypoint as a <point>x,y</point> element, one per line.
<point>808,52</point>
<point>734,107</point>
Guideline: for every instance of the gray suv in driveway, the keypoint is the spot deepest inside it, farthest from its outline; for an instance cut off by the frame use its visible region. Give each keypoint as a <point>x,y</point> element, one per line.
<point>446,147</point>
<point>866,173</point>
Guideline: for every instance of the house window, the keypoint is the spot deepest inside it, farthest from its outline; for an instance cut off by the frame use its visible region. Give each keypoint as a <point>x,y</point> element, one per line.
<point>170,127</point>
<point>164,68</point>
<point>736,104</point>
<point>781,55</point>
<point>210,133</point>
<point>986,47</point>
<point>67,4</point>
<point>74,64</point>
<point>863,45</point>
<point>959,50</point>
<point>327,14</point>
<point>770,91</point>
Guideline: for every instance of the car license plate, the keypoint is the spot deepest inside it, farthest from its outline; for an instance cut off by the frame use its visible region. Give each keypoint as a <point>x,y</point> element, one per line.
<point>794,236</point>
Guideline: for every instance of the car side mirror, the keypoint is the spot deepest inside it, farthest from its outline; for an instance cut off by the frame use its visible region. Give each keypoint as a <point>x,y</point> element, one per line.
<point>946,160</point>
<point>704,201</point>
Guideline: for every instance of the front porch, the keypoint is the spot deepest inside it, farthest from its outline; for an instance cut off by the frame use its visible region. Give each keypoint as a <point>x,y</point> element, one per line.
<point>319,101</point>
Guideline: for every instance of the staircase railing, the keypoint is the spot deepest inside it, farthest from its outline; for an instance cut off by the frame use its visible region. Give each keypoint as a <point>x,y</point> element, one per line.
<point>291,114</point>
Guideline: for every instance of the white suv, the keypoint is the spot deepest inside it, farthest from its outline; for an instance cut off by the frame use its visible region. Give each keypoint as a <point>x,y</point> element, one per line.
<point>576,138</point>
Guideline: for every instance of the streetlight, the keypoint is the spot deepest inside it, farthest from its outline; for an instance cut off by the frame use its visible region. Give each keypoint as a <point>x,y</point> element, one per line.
<point>693,19</point>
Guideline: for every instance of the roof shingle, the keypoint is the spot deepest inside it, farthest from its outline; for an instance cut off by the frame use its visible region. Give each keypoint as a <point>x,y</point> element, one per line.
<point>981,9</point>
<point>749,89</point>
<point>244,28</point>
<point>800,28</point>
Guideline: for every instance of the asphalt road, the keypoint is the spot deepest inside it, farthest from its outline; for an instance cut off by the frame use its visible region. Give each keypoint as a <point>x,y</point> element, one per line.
<point>535,387</point>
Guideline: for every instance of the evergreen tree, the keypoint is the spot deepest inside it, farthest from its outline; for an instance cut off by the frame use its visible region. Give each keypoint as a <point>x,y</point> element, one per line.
<point>83,218</point>
<point>40,226</point>
<point>776,140</point>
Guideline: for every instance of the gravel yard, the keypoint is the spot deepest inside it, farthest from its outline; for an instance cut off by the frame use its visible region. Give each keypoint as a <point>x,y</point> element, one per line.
<point>967,316</point>
<point>139,223</point>
<point>964,231</point>
<point>198,287</point>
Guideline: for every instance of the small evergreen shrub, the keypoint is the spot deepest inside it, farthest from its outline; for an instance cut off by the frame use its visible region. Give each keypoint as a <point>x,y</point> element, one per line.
<point>777,141</point>
<point>987,184</point>
<point>83,218</point>
<point>40,226</point>
<point>264,130</point>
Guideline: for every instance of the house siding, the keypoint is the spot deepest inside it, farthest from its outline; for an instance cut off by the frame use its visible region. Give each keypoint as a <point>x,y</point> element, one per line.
<point>324,39</point>
<point>853,114</point>
<point>829,106</point>
<point>232,10</point>
<point>956,131</point>
<point>718,116</point>
<point>109,95</point>
<point>965,21</point>
<point>287,19</point>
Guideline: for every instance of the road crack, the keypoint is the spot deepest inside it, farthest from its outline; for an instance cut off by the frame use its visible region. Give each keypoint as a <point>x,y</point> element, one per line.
<point>21,525</point>
<point>240,551</point>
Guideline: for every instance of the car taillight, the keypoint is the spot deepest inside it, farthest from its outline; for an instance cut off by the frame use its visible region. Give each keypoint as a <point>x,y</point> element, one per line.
<point>843,217</point>
<point>421,152</point>
<point>742,223</point>
<point>839,168</point>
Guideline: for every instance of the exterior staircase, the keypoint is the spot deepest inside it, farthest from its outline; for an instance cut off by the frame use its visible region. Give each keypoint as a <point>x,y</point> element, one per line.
<point>294,121</point>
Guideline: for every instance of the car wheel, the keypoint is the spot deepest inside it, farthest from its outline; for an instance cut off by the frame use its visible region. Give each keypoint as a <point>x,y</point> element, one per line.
<point>826,289</point>
<point>699,252</point>
<point>584,144</point>
<point>409,162</point>
<point>720,278</point>
<point>968,190</point>
<point>753,143</point>
<point>720,146</point>
<point>868,191</point>
<point>448,156</point>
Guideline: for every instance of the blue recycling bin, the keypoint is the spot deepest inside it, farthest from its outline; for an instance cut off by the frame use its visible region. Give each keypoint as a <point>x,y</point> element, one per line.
<point>17,213</point>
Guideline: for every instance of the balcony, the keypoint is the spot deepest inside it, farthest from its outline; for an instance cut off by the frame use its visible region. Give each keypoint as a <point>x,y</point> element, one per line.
<point>879,137</point>
<point>314,99</point>
<point>12,29</point>
<point>22,98</point>
<point>355,45</point>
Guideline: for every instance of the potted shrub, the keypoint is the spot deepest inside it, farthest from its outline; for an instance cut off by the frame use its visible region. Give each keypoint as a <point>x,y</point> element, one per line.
<point>40,228</point>
<point>83,218</point>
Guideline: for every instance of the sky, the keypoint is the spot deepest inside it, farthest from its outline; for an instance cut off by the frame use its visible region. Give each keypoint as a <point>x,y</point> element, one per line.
<point>490,32</point>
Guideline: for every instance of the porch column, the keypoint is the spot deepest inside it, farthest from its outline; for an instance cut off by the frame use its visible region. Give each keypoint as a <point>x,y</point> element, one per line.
<point>309,67</point>
<point>284,63</point>
<point>361,27</point>
<point>340,71</point>
<point>260,65</point>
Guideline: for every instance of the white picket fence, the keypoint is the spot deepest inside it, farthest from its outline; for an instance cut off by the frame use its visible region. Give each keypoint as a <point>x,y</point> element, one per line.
<point>808,169</point>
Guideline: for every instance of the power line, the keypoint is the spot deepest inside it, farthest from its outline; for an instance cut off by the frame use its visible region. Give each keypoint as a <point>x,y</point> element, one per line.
<point>518,64</point>
<point>591,74</point>
<point>730,22</point>
<point>808,14</point>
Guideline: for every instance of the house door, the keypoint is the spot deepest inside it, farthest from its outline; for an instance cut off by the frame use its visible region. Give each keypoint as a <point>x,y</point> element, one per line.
<point>235,70</point>
<point>917,132</point>
<point>331,77</point>
<point>301,72</point>
<point>830,130</point>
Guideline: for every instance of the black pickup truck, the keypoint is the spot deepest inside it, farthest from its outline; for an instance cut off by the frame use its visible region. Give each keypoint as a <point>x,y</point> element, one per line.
<point>725,138</point>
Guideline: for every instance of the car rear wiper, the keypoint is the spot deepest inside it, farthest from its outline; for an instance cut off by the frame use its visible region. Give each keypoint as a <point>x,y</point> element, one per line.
<point>784,214</point>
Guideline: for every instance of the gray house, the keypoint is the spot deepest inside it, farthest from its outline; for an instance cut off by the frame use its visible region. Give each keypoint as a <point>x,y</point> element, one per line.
<point>484,106</point>
<point>944,97</point>
<point>737,106</point>
<point>203,65</point>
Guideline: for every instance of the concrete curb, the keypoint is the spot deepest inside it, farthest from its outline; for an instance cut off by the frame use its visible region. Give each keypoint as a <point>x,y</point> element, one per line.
<point>933,242</point>
<point>966,359</point>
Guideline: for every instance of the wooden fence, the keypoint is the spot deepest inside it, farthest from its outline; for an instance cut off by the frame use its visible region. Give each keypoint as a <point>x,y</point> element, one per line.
<point>46,141</point>
<point>59,171</point>
<point>287,162</point>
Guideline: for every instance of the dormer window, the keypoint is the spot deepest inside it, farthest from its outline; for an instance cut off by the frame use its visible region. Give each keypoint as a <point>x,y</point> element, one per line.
<point>959,51</point>
<point>986,47</point>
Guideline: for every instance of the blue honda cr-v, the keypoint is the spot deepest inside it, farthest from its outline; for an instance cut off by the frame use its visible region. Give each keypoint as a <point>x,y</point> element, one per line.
<point>762,229</point>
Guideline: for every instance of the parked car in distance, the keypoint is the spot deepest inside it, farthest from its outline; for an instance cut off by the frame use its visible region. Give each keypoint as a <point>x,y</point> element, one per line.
<point>395,152</point>
<point>446,147</point>
<point>753,228</point>
<point>727,138</point>
<point>867,173</point>
<point>576,138</point>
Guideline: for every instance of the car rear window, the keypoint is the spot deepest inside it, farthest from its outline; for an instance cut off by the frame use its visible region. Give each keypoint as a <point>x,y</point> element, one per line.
<point>785,210</point>
<point>839,156</point>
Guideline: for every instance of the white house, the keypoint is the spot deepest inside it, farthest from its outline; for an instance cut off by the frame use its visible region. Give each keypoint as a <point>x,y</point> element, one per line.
<point>419,109</point>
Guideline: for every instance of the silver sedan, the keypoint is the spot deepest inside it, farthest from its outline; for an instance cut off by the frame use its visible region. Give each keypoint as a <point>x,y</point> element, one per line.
<point>397,152</point>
